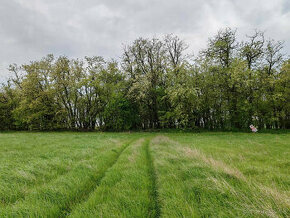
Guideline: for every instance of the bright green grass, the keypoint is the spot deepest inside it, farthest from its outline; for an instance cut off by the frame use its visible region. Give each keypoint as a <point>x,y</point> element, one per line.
<point>144,175</point>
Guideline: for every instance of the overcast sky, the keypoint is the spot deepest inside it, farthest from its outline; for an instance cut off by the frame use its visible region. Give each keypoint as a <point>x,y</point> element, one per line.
<point>30,29</point>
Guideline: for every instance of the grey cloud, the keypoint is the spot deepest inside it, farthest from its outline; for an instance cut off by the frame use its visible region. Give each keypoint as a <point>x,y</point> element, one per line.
<point>30,29</point>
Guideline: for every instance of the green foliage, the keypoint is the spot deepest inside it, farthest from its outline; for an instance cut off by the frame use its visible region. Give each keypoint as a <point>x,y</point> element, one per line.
<point>228,85</point>
<point>119,115</point>
<point>37,108</point>
<point>8,102</point>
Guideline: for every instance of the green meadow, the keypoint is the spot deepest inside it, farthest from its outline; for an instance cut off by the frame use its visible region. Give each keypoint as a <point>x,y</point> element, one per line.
<point>89,174</point>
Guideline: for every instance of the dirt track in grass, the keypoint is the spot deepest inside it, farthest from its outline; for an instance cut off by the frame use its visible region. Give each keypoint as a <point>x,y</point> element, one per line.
<point>144,174</point>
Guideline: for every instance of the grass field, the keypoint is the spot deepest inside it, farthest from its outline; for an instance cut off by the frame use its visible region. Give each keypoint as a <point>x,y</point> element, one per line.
<point>144,174</point>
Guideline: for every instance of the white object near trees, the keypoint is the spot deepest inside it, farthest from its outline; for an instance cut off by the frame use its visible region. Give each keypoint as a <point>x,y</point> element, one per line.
<point>253,128</point>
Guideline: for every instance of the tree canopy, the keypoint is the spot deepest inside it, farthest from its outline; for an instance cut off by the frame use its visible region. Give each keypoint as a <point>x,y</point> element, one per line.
<point>228,85</point>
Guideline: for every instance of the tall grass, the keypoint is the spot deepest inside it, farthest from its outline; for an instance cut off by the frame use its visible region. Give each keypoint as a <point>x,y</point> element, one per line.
<point>144,175</point>
<point>127,190</point>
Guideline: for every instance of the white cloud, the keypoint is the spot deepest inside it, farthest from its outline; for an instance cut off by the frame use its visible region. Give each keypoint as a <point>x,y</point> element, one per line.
<point>30,29</point>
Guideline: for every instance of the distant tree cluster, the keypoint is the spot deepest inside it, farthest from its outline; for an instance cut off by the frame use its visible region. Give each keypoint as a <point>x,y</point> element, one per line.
<point>228,85</point>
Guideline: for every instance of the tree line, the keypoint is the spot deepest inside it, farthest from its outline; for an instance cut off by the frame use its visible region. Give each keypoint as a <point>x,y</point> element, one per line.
<point>229,85</point>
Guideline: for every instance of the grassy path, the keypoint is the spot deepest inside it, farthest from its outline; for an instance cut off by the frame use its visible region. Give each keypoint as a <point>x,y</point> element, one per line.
<point>127,190</point>
<point>144,175</point>
<point>156,210</point>
<point>29,161</point>
<point>67,210</point>
<point>172,194</point>
<point>58,197</point>
<point>60,170</point>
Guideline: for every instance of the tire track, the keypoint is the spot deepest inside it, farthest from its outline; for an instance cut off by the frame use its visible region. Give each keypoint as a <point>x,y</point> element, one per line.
<point>48,181</point>
<point>154,210</point>
<point>65,211</point>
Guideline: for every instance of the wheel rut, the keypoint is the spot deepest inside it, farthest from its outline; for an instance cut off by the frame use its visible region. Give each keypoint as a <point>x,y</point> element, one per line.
<point>154,210</point>
<point>66,211</point>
